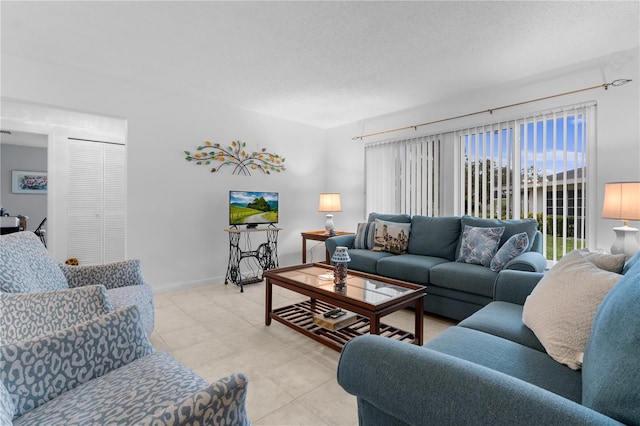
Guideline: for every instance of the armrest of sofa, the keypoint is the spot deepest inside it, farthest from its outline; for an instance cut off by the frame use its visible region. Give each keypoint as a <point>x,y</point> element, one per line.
<point>412,384</point>
<point>515,286</point>
<point>111,275</point>
<point>339,241</point>
<point>530,261</point>
<point>222,402</point>
<point>36,371</point>
<point>24,316</point>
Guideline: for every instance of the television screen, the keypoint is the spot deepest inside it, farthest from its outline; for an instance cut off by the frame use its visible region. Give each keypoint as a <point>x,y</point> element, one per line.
<point>252,208</point>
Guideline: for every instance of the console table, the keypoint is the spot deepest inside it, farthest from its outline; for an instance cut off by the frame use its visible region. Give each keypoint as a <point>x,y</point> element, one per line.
<point>240,247</point>
<point>317,236</point>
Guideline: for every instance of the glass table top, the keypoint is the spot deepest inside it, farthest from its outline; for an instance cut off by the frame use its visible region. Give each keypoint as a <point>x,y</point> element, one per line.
<point>360,288</point>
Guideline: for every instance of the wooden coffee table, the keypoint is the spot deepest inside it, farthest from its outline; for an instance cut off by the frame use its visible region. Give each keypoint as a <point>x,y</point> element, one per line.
<point>369,296</point>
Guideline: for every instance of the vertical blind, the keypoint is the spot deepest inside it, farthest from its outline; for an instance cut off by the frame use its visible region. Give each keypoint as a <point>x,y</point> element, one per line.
<point>403,176</point>
<point>535,166</point>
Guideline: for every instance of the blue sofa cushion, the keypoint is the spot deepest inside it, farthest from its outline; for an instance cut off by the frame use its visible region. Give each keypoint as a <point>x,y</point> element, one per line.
<point>634,259</point>
<point>511,227</point>
<point>503,319</point>
<point>511,358</point>
<point>366,260</point>
<point>434,236</point>
<point>514,246</point>
<point>27,266</point>
<point>408,267</point>
<point>479,245</point>
<point>398,218</point>
<point>365,235</point>
<point>464,277</point>
<point>611,367</point>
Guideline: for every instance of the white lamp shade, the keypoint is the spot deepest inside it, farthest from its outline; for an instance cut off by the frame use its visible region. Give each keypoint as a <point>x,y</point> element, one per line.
<point>329,203</point>
<point>621,201</point>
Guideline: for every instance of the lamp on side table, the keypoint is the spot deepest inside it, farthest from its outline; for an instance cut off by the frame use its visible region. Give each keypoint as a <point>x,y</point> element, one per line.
<point>622,201</point>
<point>329,203</point>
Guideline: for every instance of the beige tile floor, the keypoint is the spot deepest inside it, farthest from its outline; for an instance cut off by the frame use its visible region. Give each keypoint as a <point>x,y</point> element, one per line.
<point>216,330</point>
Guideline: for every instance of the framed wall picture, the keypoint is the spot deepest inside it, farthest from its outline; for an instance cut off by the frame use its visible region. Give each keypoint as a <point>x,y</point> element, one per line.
<point>26,182</point>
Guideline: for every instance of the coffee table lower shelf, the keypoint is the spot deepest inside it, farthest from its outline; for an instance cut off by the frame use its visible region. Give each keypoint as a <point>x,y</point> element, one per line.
<point>299,317</point>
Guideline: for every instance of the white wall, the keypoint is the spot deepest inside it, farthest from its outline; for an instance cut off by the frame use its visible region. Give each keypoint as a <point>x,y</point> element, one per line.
<point>618,127</point>
<point>176,210</point>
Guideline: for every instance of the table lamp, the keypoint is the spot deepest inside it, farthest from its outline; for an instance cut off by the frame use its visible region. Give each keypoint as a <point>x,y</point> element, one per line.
<point>622,201</point>
<point>329,203</point>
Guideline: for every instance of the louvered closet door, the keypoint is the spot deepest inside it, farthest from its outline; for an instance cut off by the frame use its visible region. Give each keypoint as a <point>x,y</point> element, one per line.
<point>96,202</point>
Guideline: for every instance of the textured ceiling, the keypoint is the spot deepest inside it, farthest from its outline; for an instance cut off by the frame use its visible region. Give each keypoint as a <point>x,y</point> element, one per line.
<point>320,63</point>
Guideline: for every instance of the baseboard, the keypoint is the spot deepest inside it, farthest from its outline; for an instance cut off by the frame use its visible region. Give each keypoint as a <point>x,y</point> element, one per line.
<point>165,288</point>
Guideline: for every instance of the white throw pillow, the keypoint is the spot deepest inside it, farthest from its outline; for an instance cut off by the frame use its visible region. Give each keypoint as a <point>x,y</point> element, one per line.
<point>561,307</point>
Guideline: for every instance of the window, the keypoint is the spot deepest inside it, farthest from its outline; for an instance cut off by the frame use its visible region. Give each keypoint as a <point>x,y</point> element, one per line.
<point>403,176</point>
<point>531,167</point>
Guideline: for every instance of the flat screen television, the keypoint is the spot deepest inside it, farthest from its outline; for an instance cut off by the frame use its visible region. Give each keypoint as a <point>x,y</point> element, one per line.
<point>252,208</point>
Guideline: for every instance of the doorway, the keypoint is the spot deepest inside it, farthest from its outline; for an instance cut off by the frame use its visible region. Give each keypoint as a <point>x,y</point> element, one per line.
<point>23,177</point>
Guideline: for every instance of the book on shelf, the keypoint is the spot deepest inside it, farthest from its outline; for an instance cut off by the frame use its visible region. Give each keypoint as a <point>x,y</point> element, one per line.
<point>335,324</point>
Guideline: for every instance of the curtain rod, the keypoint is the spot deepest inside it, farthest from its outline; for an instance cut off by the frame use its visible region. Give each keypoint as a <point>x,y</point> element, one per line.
<point>615,83</point>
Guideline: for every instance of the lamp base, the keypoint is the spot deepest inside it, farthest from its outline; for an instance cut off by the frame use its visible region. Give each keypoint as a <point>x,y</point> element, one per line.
<point>626,241</point>
<point>328,226</point>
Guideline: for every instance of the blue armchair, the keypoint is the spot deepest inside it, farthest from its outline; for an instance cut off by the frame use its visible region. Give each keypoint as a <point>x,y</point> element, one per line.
<point>27,267</point>
<point>105,371</point>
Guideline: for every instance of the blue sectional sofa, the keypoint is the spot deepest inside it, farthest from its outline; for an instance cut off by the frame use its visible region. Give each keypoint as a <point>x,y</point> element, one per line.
<point>454,289</point>
<point>492,369</point>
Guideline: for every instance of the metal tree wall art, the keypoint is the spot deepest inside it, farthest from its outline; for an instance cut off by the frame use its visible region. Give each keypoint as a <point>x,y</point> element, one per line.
<point>237,157</point>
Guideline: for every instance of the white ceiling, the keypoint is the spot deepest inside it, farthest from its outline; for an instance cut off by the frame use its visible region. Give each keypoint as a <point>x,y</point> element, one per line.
<point>320,63</point>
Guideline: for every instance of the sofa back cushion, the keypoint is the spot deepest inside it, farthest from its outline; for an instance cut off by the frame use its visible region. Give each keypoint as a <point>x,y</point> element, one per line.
<point>398,218</point>
<point>434,236</point>
<point>611,367</point>
<point>511,227</point>
<point>27,266</point>
<point>36,371</point>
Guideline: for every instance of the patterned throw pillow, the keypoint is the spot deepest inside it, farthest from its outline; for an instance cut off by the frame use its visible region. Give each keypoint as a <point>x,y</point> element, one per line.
<point>391,236</point>
<point>365,235</point>
<point>479,245</point>
<point>514,246</point>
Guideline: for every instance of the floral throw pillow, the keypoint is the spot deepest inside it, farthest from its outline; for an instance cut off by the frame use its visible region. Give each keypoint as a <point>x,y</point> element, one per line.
<point>391,237</point>
<point>479,245</point>
<point>513,247</point>
<point>365,235</point>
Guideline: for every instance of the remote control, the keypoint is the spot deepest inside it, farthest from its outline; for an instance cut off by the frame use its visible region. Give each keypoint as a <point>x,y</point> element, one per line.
<point>331,313</point>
